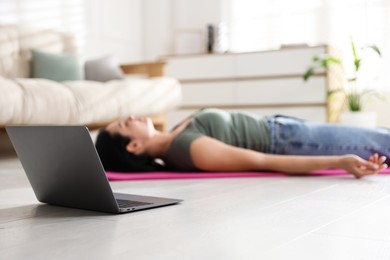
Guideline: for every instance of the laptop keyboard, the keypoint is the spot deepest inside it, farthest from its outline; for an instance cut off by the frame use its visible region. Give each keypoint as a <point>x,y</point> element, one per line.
<point>130,203</point>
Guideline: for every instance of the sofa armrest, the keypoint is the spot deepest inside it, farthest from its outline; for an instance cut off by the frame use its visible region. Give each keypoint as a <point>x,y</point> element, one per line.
<point>152,69</point>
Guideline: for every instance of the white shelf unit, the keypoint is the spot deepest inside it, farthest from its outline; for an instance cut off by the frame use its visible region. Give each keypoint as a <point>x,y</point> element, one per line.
<point>266,83</point>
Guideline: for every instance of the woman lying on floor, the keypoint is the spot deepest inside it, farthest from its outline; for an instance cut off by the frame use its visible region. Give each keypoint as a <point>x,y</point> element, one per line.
<point>217,140</point>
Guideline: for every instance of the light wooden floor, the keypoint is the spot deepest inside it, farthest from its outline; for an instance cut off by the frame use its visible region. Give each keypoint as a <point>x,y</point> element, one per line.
<point>241,218</point>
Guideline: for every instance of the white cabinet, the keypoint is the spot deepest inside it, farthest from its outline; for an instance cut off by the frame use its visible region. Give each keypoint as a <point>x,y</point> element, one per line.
<point>265,83</point>
<point>292,61</point>
<point>200,67</point>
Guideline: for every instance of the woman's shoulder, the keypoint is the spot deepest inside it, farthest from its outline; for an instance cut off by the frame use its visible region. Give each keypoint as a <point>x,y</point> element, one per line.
<point>178,155</point>
<point>186,121</point>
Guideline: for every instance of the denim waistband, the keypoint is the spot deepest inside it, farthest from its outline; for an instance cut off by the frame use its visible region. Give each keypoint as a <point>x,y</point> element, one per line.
<point>280,128</point>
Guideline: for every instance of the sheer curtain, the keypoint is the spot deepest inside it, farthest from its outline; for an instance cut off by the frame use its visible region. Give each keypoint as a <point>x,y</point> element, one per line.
<point>268,24</point>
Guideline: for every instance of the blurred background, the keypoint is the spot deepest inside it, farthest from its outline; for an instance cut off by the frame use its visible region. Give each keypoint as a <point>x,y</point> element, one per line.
<point>137,31</point>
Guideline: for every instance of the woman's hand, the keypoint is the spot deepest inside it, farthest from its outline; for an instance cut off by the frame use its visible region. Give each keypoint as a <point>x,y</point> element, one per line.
<point>360,167</point>
<point>377,160</point>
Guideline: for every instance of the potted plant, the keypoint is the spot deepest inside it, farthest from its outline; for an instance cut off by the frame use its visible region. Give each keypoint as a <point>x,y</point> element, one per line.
<point>353,96</point>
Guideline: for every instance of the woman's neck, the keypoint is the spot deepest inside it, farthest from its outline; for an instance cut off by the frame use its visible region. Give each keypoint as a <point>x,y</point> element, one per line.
<point>160,142</point>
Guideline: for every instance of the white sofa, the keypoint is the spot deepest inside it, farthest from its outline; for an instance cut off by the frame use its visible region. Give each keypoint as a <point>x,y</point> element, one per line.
<point>25,100</point>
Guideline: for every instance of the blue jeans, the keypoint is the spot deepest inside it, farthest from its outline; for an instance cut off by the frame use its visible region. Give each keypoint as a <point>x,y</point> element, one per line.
<point>293,136</point>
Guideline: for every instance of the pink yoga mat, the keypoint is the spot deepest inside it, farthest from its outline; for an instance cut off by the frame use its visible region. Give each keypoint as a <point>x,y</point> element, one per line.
<point>115,176</point>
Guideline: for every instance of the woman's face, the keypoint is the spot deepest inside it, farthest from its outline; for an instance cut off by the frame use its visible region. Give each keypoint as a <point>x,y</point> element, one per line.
<point>140,128</point>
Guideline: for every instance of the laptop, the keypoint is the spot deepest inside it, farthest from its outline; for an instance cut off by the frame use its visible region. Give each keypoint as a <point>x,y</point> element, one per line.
<point>64,169</point>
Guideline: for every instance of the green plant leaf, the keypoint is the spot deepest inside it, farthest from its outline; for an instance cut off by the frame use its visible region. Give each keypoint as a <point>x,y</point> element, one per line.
<point>357,64</point>
<point>320,61</point>
<point>356,59</point>
<point>354,102</point>
<point>333,60</point>
<point>353,98</point>
<point>334,91</point>
<point>326,59</point>
<point>375,49</point>
<point>308,73</point>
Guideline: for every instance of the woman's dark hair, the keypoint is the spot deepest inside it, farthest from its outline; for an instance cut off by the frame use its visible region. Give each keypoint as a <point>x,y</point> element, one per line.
<point>114,156</point>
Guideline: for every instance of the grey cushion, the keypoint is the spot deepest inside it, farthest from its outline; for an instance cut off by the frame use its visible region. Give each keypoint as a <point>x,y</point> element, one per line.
<point>56,66</point>
<point>103,69</point>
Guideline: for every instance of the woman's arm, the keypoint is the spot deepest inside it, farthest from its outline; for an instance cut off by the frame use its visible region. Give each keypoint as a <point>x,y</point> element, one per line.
<point>212,155</point>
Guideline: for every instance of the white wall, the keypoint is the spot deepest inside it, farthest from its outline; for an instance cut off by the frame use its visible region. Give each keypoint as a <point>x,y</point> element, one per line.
<point>144,30</point>
<point>114,27</point>
<point>132,30</point>
<point>165,17</point>
<point>157,30</point>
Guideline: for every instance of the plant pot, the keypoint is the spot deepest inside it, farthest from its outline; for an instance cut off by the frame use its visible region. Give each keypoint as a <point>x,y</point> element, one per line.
<point>359,119</point>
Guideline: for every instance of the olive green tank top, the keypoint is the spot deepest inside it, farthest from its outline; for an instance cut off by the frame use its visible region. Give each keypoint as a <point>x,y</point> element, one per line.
<point>233,128</point>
